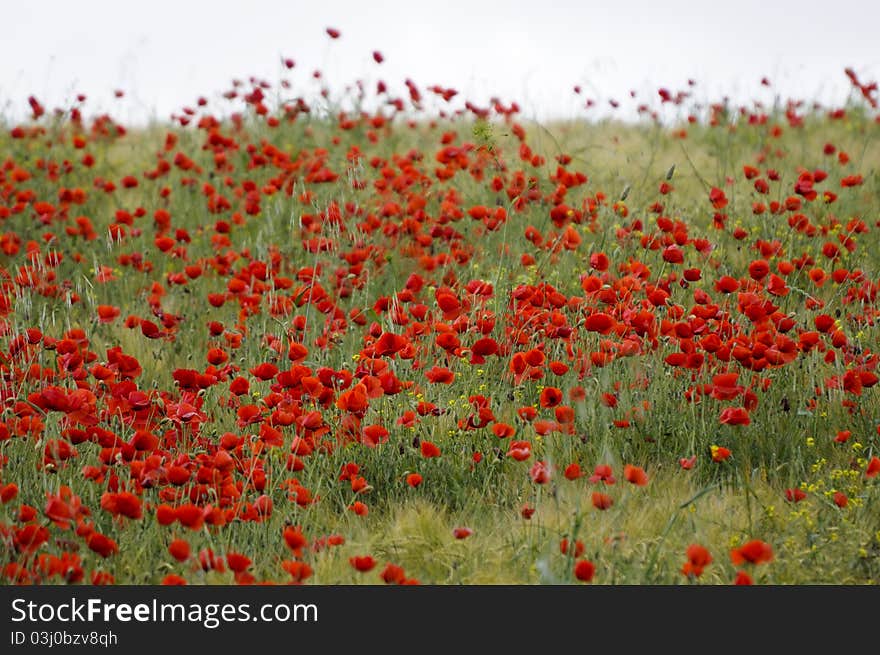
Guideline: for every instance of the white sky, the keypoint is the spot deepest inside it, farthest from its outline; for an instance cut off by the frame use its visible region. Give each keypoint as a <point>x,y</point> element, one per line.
<point>165,53</point>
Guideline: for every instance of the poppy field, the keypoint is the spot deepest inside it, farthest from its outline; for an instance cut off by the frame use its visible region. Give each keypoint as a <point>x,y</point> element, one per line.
<point>407,338</point>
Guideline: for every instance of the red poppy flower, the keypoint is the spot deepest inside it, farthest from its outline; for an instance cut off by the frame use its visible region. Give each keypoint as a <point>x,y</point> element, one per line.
<point>264,371</point>
<point>429,450</point>
<point>725,387</point>
<point>609,400</point>
<point>172,579</point>
<point>102,544</point>
<point>298,570</point>
<point>540,473</point>
<point>440,375</point>
<point>414,480</point>
<point>483,348</point>
<point>753,552</point>
<point>462,533</point>
<point>717,198</point>
<point>777,286</point>
<point>759,269</point>
<point>165,514</point>
<point>122,504</point>
<point>179,550</point>
<point>239,386</point>
<point>599,261</point>
<point>584,570</point>
<point>102,578</point>
<point>295,539</point>
<point>573,471</point>
<point>10,490</point>
<point>107,313</point>
<point>535,357</point>
<point>354,400</point>
<point>743,579</point>
<point>362,563</point>
<point>726,284</point>
<point>373,435</point>
<point>734,416</point>
<point>392,574</point>
<point>503,430</point>
<point>599,322</point>
<point>673,254</point>
<point>602,501</point>
<point>520,450</point>
<point>719,453</point>
<point>550,397</point>
<point>297,352</point>
<point>698,558</point>
<point>390,344</point>
<point>237,562</point>
<point>602,473</point>
<point>636,475</point>
<point>190,516</point>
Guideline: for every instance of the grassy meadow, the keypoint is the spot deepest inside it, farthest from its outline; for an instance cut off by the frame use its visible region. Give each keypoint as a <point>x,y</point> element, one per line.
<point>383,347</point>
